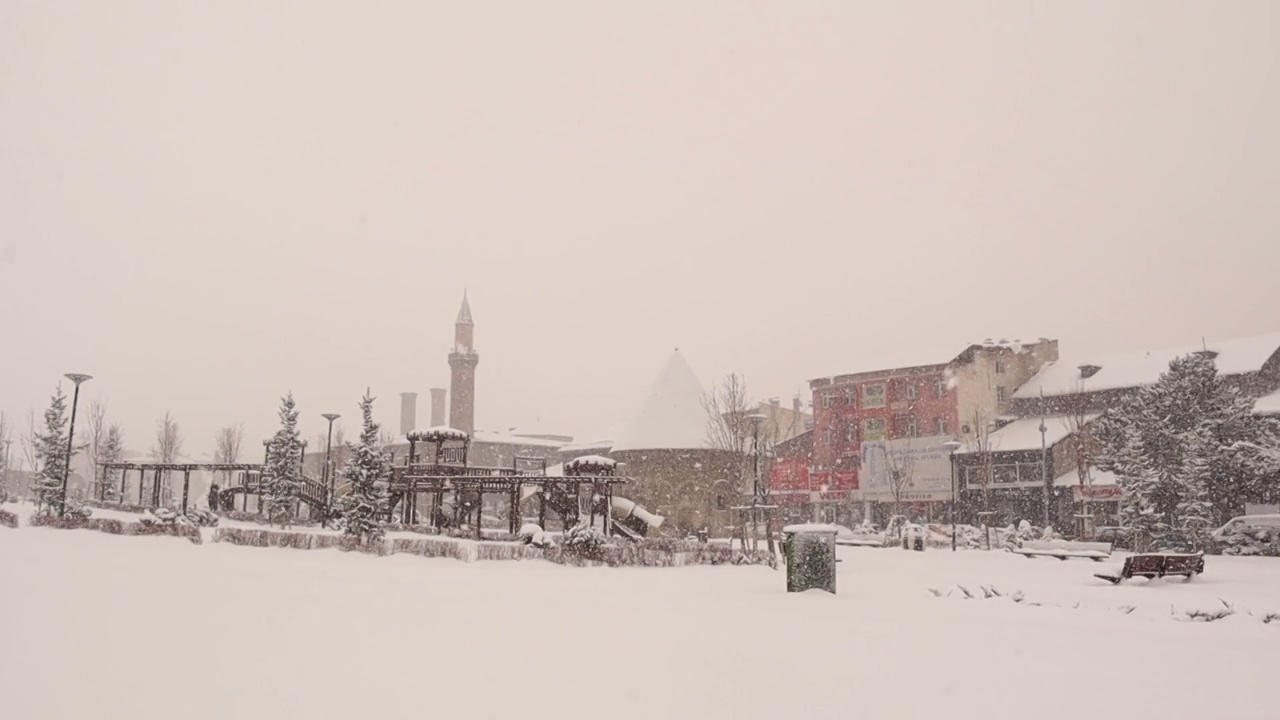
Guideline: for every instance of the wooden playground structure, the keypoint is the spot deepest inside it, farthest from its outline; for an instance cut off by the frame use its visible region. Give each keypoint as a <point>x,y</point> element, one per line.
<point>436,488</point>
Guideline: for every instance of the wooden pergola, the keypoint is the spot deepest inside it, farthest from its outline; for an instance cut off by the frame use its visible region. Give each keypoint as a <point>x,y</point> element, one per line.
<point>412,482</point>
<point>158,471</point>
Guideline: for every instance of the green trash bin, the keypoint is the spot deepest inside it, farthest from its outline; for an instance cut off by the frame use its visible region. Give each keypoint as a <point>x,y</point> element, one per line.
<point>810,551</point>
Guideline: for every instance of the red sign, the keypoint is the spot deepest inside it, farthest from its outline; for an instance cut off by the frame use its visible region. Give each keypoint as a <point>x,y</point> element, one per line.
<point>1097,492</point>
<point>789,474</point>
<point>833,481</point>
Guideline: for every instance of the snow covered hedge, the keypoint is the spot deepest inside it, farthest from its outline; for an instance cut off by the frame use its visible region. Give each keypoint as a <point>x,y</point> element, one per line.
<point>8,519</point>
<point>251,537</point>
<point>111,526</point>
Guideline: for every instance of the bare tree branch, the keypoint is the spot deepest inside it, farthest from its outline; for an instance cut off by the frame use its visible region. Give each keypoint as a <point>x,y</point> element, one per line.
<point>96,432</point>
<point>227,444</point>
<point>168,442</point>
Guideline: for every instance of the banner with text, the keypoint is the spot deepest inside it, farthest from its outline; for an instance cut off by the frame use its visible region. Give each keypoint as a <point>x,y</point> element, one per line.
<point>907,469</point>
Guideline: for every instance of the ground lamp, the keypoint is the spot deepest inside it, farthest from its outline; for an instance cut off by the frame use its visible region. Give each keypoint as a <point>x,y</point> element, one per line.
<point>951,447</point>
<point>76,378</point>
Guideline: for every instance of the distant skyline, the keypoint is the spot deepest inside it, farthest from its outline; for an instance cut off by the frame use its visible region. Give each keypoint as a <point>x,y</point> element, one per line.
<point>208,205</point>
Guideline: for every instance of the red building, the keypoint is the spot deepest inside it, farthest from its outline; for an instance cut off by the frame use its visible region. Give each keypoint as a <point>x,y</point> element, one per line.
<point>879,437</point>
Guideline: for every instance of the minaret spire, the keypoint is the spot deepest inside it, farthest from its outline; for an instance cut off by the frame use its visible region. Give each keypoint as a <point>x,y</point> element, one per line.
<point>463,361</point>
<point>464,312</point>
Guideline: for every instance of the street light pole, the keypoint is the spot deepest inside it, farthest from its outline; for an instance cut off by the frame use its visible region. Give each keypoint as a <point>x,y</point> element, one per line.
<point>1044,471</point>
<point>4,482</point>
<point>76,378</point>
<point>952,446</point>
<point>328,471</point>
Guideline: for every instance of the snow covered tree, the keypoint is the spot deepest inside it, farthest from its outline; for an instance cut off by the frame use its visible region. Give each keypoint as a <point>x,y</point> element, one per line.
<point>282,476</point>
<point>368,470</point>
<point>111,451</point>
<point>51,456</point>
<point>1187,451</point>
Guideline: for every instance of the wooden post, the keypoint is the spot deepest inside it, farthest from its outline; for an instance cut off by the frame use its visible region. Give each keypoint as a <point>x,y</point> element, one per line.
<point>592,503</point>
<point>542,505</point>
<point>142,482</point>
<point>186,487</point>
<point>608,509</point>
<point>124,476</point>
<point>479,513</point>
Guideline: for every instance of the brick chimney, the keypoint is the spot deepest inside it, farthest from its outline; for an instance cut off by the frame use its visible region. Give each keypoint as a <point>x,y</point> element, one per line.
<point>438,407</point>
<point>408,412</point>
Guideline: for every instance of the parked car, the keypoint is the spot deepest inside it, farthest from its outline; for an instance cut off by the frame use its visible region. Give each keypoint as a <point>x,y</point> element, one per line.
<point>1114,534</point>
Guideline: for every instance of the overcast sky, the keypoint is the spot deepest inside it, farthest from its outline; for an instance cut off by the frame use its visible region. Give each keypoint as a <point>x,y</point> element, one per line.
<point>205,205</point>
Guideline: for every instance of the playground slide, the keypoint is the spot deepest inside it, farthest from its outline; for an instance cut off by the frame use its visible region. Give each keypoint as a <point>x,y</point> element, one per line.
<point>627,514</point>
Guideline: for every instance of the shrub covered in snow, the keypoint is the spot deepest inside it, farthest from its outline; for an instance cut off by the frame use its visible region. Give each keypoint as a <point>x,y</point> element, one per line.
<point>1259,541</point>
<point>584,540</point>
<point>8,519</point>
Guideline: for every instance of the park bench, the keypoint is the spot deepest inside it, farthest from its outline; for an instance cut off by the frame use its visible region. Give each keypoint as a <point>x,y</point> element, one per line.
<point>1065,549</point>
<point>1155,565</point>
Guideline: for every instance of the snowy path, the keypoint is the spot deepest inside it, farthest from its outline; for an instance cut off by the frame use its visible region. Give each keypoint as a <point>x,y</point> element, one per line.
<point>267,633</point>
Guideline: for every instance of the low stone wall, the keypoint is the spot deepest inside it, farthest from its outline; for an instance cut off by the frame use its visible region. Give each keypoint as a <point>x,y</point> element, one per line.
<point>253,537</point>
<point>112,526</point>
<point>8,519</point>
<point>660,553</point>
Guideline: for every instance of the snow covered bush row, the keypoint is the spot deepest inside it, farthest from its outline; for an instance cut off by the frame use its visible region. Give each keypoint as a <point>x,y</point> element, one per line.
<point>252,537</point>
<point>112,526</point>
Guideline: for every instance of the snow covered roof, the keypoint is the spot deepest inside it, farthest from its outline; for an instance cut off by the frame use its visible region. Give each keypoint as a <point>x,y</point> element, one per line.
<point>671,416</point>
<point>1024,434</point>
<point>1097,478</point>
<point>586,446</point>
<point>1268,404</point>
<point>591,460</point>
<point>1064,377</point>
<point>437,434</point>
<point>501,438</point>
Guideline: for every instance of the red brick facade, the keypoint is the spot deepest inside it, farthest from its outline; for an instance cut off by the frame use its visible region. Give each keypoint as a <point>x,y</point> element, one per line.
<point>887,404</point>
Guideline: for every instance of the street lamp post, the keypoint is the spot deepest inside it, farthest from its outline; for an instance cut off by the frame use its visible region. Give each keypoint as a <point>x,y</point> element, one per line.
<point>4,481</point>
<point>328,470</point>
<point>1044,471</point>
<point>76,378</point>
<point>952,446</point>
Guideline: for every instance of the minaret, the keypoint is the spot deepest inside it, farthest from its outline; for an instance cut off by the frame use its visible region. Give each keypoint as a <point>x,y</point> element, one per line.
<point>463,361</point>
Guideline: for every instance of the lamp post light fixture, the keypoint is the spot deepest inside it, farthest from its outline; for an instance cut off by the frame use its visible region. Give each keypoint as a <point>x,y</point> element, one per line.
<point>78,379</point>
<point>952,446</point>
<point>328,470</point>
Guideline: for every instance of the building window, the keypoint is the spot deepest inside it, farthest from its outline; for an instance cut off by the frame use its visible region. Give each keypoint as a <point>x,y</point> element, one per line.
<point>912,391</point>
<point>1001,394</point>
<point>939,388</point>
<point>851,433</point>
<point>828,436</point>
<point>873,395</point>
<point>999,368</point>
<point>826,401</point>
<point>940,426</point>
<point>851,397</point>
<point>873,429</point>
<point>913,427</point>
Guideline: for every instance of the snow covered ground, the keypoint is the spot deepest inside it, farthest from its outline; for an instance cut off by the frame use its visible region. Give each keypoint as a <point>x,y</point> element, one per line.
<point>93,625</point>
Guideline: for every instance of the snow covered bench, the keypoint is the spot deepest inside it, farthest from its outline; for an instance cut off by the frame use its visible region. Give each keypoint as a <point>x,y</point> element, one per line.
<point>1065,549</point>
<point>1154,565</point>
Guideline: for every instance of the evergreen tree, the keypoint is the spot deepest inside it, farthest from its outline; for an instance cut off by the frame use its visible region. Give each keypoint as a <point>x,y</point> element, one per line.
<point>282,476</point>
<point>369,471</point>
<point>51,456</point>
<point>1187,451</point>
<point>111,451</point>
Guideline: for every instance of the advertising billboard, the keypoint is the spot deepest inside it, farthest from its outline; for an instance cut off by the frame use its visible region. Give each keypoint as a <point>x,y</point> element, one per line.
<point>922,464</point>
